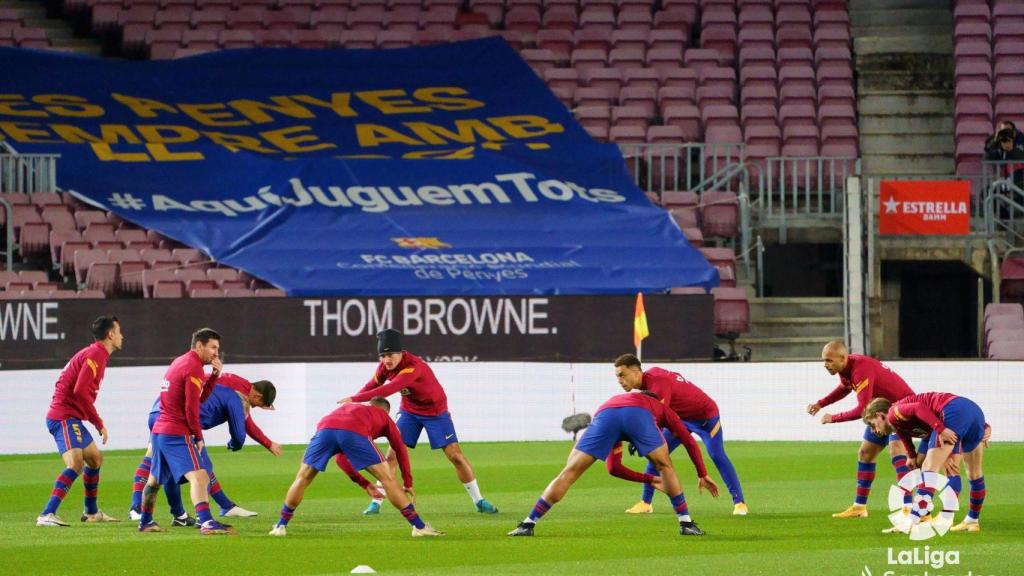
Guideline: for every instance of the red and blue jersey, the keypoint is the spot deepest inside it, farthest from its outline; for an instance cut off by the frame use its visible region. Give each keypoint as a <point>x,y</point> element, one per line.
<point>373,423</point>
<point>185,387</point>
<point>916,413</point>
<point>78,386</point>
<point>664,417</point>
<point>684,397</point>
<point>223,405</point>
<point>870,379</point>
<point>421,393</point>
<point>243,387</point>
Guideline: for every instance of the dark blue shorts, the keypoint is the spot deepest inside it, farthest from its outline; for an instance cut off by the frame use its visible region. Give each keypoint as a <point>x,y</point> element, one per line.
<point>613,425</point>
<point>326,443</point>
<point>174,456</point>
<point>68,434</point>
<point>923,446</point>
<point>966,419</point>
<point>882,441</point>
<point>440,429</point>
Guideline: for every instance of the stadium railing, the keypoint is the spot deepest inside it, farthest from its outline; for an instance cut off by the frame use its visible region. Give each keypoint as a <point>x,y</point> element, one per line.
<point>660,167</point>
<point>27,172</point>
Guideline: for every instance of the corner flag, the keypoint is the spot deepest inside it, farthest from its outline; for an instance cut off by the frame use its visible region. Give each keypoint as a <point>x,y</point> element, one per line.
<point>640,330</point>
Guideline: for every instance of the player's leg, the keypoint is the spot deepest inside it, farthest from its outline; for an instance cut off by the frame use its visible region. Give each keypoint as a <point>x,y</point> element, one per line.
<point>673,488</point>
<point>976,478</point>
<point>441,433</point>
<point>303,478</point>
<point>227,506</point>
<point>464,471</point>
<point>69,445</point>
<point>938,453</point>
<point>410,427</point>
<point>396,494</point>
<point>139,482</point>
<point>713,436</point>
<point>647,494</point>
<point>93,458</point>
<point>149,493</point>
<point>968,421</point>
<point>198,488</point>
<point>868,452</point>
<point>576,465</point>
<point>179,517</point>
<point>596,443</point>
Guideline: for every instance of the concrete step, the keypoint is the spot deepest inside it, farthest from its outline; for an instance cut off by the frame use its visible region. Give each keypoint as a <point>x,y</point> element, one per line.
<point>908,165</point>
<point>891,30</point>
<point>923,125</point>
<point>939,82</point>
<point>901,18</point>
<point>857,6</point>
<point>908,143</point>
<point>819,307</point>
<point>796,326</point>
<point>910,44</point>
<point>903,103</point>
<point>790,348</point>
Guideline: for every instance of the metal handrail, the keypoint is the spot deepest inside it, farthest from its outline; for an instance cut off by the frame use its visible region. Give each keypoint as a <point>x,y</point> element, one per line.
<point>995,195</point>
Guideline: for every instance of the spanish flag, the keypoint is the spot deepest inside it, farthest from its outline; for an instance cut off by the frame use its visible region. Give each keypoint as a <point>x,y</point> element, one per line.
<point>640,330</point>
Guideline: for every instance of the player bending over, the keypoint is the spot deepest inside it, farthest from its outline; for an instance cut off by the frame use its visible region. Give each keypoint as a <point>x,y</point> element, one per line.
<point>635,417</point>
<point>699,414</point>
<point>178,450</point>
<point>350,430</point>
<point>230,402</point>
<point>955,423</point>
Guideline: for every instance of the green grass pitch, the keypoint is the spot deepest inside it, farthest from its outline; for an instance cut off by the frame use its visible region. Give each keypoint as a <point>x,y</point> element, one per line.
<point>792,488</point>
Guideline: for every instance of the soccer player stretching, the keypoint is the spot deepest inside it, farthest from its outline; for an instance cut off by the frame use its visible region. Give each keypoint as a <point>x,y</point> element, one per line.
<point>178,435</point>
<point>424,405</point>
<point>869,378</point>
<point>955,423</point>
<point>699,414</point>
<point>230,402</point>
<point>349,430</point>
<point>74,401</point>
<point>637,417</point>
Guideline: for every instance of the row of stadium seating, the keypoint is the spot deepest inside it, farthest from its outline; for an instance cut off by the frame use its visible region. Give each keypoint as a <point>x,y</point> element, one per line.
<point>14,32</point>
<point>95,250</point>
<point>988,47</point>
<point>774,75</point>
<point>1004,331</point>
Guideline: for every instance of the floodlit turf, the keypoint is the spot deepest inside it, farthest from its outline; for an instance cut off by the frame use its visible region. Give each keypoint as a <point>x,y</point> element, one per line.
<point>792,488</point>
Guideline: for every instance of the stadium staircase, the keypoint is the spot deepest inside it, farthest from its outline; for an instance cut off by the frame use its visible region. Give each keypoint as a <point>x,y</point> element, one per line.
<point>903,51</point>
<point>792,329</point>
<point>37,29</point>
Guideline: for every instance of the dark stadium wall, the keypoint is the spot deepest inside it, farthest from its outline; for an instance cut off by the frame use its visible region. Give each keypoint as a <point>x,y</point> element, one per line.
<point>44,334</point>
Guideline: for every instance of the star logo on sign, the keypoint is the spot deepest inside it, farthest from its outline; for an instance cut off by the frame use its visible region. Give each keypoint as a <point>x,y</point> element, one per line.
<point>890,205</point>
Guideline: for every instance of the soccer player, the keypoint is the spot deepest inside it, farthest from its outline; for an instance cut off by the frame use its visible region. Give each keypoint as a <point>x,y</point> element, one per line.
<point>349,430</point>
<point>956,423</point>
<point>424,405</point>
<point>177,437</point>
<point>699,414</point>
<point>869,378</point>
<point>639,418</point>
<point>73,402</point>
<point>230,402</point>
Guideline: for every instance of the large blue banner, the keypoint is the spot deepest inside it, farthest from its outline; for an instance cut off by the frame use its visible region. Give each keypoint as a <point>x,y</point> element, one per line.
<point>447,169</point>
